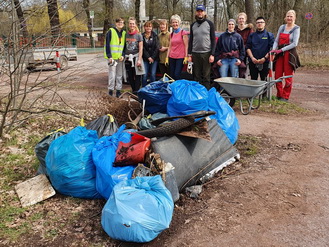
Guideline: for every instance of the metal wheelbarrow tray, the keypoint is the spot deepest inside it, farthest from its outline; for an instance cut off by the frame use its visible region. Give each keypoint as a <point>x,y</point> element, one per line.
<point>240,88</point>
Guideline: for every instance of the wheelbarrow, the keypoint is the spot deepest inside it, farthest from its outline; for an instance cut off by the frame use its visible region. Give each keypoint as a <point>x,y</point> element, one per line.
<point>240,89</point>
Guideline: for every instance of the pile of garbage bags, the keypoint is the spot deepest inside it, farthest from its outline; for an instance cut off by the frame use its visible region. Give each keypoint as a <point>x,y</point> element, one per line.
<point>104,160</point>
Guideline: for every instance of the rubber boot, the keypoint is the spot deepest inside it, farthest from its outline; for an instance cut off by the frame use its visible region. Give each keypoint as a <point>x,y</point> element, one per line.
<point>118,93</point>
<point>111,92</point>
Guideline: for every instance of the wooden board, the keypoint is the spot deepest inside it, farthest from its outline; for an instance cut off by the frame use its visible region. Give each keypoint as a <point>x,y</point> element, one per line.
<point>34,190</point>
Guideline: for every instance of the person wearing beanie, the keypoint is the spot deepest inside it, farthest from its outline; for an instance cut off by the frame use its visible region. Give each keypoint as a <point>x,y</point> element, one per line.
<point>230,51</point>
<point>201,48</point>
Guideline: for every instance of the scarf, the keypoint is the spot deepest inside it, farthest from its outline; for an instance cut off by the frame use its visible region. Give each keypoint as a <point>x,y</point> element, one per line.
<point>133,32</point>
<point>177,30</point>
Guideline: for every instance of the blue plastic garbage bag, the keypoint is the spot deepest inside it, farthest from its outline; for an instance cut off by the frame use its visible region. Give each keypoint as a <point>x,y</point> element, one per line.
<point>138,210</point>
<point>103,155</point>
<point>187,97</point>
<point>70,166</point>
<point>225,115</point>
<point>156,95</point>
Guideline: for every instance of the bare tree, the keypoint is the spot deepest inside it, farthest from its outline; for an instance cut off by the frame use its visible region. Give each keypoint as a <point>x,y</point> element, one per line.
<point>151,10</point>
<point>215,14</point>
<point>108,19</point>
<point>192,10</point>
<point>54,19</point>
<point>137,7</point>
<point>249,6</point>
<point>21,18</point>
<point>86,4</point>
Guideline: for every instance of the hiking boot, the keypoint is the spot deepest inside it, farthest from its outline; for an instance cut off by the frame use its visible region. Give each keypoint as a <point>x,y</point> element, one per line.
<point>111,92</point>
<point>283,100</point>
<point>118,93</point>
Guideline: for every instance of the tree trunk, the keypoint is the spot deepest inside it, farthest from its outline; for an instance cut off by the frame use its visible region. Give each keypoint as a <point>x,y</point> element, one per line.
<point>174,5</point>
<point>297,7</point>
<point>151,10</point>
<point>54,20</point>
<point>228,10</point>
<point>86,4</point>
<point>21,19</point>
<point>108,15</point>
<point>249,5</point>
<point>192,11</point>
<point>137,7</point>
<point>215,15</point>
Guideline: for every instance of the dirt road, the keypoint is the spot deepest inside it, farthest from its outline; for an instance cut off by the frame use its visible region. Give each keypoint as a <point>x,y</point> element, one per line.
<point>278,197</point>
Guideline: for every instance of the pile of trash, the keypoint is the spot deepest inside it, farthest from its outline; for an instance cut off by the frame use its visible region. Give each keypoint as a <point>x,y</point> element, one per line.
<point>183,135</point>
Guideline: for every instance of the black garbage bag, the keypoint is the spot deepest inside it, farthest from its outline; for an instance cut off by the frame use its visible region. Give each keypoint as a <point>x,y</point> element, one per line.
<point>42,147</point>
<point>105,125</point>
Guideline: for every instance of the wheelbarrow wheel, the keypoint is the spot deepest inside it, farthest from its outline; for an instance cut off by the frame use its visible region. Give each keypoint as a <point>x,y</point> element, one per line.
<point>228,98</point>
<point>168,128</point>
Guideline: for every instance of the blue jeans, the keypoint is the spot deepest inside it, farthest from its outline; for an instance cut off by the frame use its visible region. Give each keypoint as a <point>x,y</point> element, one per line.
<point>150,68</point>
<point>176,66</point>
<point>229,64</point>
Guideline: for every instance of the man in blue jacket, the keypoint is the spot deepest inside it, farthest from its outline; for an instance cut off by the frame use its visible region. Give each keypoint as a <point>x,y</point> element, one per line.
<point>258,46</point>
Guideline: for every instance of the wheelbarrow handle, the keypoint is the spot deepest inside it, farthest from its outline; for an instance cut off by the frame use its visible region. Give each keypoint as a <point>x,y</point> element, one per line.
<point>281,79</point>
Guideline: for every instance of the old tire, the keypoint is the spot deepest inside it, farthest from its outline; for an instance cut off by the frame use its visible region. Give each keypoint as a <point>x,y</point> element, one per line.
<point>168,128</point>
<point>63,62</point>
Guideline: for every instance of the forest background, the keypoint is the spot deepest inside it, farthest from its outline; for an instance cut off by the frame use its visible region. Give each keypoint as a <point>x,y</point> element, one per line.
<point>58,17</point>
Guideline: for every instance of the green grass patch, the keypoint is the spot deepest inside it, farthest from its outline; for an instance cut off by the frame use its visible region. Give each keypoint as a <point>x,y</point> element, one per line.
<point>248,145</point>
<point>11,227</point>
<point>275,106</point>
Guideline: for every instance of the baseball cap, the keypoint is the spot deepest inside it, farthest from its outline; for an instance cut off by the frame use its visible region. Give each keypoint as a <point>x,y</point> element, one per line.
<point>200,7</point>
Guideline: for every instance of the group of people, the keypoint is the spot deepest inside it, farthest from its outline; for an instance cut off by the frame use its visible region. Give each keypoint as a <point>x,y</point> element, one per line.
<point>140,54</point>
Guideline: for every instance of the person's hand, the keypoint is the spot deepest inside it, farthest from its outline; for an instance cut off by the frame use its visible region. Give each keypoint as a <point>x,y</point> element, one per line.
<point>261,61</point>
<point>185,60</point>
<point>254,60</point>
<point>276,51</point>
<point>211,59</point>
<point>190,59</point>
<point>121,58</point>
<point>139,63</point>
<point>238,62</point>
<point>162,49</point>
<point>110,60</point>
<point>219,62</point>
<point>167,61</point>
<point>151,60</point>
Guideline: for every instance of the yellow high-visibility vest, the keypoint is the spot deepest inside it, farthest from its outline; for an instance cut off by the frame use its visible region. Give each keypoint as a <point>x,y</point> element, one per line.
<point>116,45</point>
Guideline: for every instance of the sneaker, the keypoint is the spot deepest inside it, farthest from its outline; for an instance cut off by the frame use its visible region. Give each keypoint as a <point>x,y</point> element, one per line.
<point>118,93</point>
<point>283,100</point>
<point>111,92</point>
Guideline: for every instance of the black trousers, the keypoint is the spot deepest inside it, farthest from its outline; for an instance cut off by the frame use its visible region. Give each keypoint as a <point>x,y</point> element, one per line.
<point>202,68</point>
<point>134,80</point>
<point>255,71</point>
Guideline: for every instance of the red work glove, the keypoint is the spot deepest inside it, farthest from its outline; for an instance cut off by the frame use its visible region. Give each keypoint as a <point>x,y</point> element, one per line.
<point>276,51</point>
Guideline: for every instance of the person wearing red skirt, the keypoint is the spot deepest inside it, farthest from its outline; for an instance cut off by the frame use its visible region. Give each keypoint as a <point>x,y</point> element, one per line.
<point>286,56</point>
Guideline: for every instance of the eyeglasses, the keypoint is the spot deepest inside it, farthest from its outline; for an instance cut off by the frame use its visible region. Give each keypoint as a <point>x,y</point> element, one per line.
<point>260,22</point>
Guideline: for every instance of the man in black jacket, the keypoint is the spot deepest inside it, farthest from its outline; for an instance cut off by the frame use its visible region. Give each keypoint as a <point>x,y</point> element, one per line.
<point>201,48</point>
